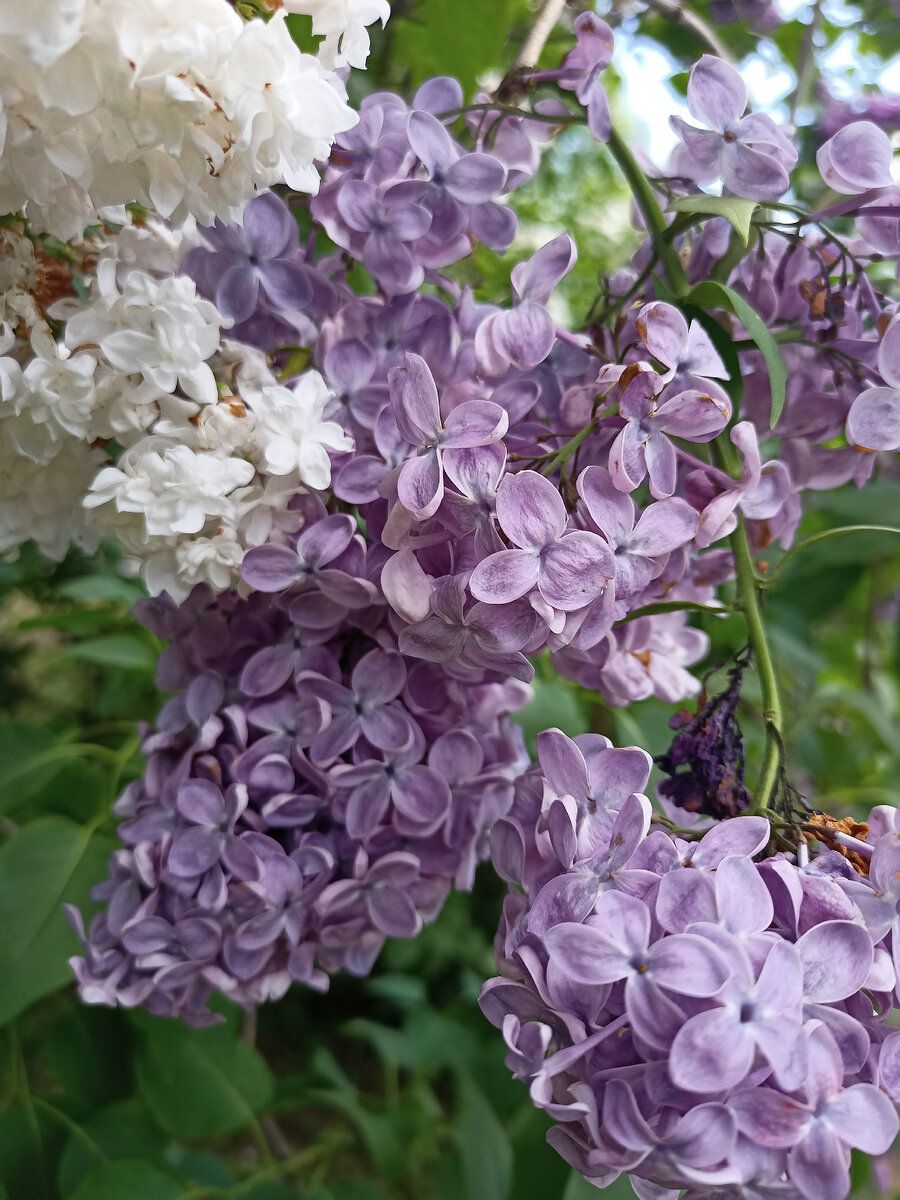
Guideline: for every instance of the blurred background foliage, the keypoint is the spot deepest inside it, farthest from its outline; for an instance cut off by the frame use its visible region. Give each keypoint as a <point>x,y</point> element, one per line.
<point>392,1088</point>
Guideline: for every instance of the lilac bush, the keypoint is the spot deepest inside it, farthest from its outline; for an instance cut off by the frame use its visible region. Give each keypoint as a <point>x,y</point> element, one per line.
<point>367,499</point>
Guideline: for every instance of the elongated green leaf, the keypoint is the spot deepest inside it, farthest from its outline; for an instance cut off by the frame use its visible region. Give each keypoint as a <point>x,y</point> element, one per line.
<point>737,212</point>
<point>116,650</point>
<point>825,536</point>
<point>199,1082</point>
<point>483,1144</point>
<point>48,862</point>
<point>716,295</point>
<point>128,1180</point>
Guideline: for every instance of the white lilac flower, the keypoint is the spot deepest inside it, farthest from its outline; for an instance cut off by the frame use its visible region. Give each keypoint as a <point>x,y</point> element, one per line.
<point>188,110</point>
<point>159,328</point>
<point>175,488</point>
<point>43,503</point>
<point>62,384</point>
<point>342,24</point>
<point>291,434</point>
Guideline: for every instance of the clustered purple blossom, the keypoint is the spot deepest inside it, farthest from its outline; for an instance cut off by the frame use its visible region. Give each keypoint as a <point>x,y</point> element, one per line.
<point>684,1011</point>
<point>340,748</point>
<point>309,791</point>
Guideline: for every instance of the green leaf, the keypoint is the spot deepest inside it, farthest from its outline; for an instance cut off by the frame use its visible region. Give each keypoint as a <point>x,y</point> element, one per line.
<point>827,534</point>
<point>736,211</point>
<point>117,650</point>
<point>199,1083</point>
<point>119,1131</point>
<point>21,742</point>
<point>88,1051</point>
<point>47,863</point>
<point>483,1144</point>
<point>578,1188</point>
<point>434,41</point>
<point>110,588</point>
<point>716,295</point>
<point>133,1179</point>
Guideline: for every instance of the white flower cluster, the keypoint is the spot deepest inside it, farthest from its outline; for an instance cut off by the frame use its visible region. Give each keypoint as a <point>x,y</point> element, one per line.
<point>141,423</point>
<point>184,108</point>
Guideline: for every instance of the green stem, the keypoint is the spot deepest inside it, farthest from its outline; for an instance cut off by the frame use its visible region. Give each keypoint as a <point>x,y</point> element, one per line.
<point>653,214</point>
<point>749,597</point>
<point>562,456</point>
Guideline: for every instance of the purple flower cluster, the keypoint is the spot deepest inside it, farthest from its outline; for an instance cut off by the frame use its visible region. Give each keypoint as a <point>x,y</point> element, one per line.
<point>308,792</point>
<point>686,1013</point>
<point>340,748</point>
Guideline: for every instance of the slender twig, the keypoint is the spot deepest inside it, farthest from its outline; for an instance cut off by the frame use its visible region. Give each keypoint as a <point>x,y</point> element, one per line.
<point>704,33</point>
<point>538,34</point>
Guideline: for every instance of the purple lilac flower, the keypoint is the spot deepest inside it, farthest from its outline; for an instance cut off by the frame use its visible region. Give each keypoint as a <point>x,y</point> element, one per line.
<point>258,265</point>
<point>856,159</point>
<point>680,1025</point>
<point>582,67</point>
<point>299,805</point>
<point>567,570</point>
<point>751,155</point>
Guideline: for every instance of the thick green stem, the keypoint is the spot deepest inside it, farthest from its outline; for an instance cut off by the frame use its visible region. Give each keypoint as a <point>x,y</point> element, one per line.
<point>749,599</point>
<point>653,214</point>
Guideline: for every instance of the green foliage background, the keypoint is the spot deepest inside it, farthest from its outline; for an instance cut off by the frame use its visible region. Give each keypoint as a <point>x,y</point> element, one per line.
<point>392,1088</point>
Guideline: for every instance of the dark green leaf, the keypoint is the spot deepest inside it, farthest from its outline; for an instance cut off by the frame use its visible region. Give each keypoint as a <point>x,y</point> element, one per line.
<point>434,41</point>
<point>483,1144</point>
<point>199,1082</point>
<point>119,1131</point>
<point>118,650</point>
<point>128,1180</point>
<point>716,295</point>
<point>88,1051</point>
<point>48,862</point>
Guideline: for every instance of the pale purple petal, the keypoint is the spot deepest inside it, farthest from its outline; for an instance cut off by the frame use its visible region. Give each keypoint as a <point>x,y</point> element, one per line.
<point>475,423</point>
<point>663,527</point>
<point>530,510</point>
<point>864,1118</point>
<point>393,912</point>
<point>711,1053</point>
<point>505,576</point>
<point>420,485</point>
<point>836,958</point>
<point>536,278</point>
<point>664,332</point>
<point>611,511</point>
<point>270,568</point>
<point>524,335</point>
<point>575,570</point>
<point>195,851</point>
<point>430,142</point>
<point>414,399</point>
<point>820,1166</point>
<point>688,965</point>
<point>475,178</point>
<point>585,954</point>
<point>873,422</point>
<point>562,764</point>
<point>769,1118</point>
<point>716,94</point>
<point>857,158</point>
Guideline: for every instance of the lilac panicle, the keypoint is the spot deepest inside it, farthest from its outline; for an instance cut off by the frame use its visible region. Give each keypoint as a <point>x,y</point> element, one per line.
<point>718,1029</point>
